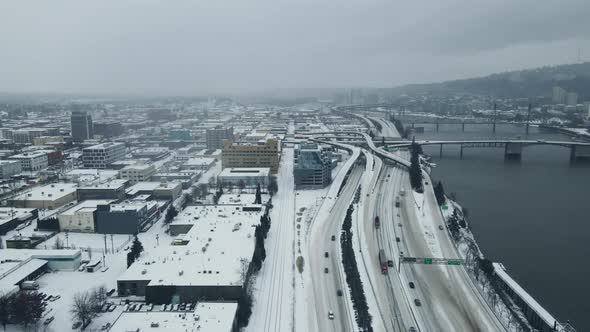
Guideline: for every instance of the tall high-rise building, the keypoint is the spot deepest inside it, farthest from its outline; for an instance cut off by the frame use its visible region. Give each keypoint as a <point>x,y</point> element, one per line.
<point>571,99</point>
<point>82,127</point>
<point>559,95</point>
<point>313,166</point>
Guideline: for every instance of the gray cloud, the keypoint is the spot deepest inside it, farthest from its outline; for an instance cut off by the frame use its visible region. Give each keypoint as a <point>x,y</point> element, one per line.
<point>196,47</point>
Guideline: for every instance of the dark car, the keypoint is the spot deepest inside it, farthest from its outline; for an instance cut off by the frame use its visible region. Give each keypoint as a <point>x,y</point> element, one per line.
<point>412,285</point>
<point>76,325</point>
<point>326,270</point>
<point>417,302</point>
<point>48,320</point>
<point>390,263</point>
<point>339,292</point>
<point>326,254</point>
<point>333,237</point>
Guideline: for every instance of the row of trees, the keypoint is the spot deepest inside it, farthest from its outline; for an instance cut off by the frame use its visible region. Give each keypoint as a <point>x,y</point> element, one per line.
<point>353,279</point>
<point>23,308</point>
<point>250,268</point>
<point>439,192</point>
<point>87,305</point>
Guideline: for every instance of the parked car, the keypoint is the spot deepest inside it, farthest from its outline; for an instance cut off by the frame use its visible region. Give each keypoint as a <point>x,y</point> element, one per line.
<point>104,269</point>
<point>111,292</point>
<point>105,326</point>
<point>150,307</point>
<point>440,227</point>
<point>126,307</point>
<point>76,325</point>
<point>112,308</point>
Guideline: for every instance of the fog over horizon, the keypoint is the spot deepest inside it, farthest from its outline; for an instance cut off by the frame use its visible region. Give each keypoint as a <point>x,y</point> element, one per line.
<point>200,47</point>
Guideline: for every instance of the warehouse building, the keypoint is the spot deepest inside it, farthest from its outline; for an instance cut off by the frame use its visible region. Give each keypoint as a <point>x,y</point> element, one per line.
<point>250,177</point>
<point>113,190</point>
<point>168,191</point>
<point>81,217</point>
<point>137,173</point>
<point>206,264</point>
<point>50,196</point>
<point>129,217</point>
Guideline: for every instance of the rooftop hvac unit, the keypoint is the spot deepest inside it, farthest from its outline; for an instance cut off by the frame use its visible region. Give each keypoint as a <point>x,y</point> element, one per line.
<point>181,272</point>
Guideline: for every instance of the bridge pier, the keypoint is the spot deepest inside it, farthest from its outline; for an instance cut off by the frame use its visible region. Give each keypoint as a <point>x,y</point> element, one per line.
<point>513,151</point>
<point>463,126</point>
<point>437,132</point>
<point>412,124</point>
<point>440,154</point>
<point>579,152</point>
<point>460,152</point>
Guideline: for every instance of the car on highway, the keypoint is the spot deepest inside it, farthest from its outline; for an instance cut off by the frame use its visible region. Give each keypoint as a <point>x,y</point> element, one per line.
<point>333,237</point>
<point>412,285</point>
<point>325,270</point>
<point>417,302</point>
<point>440,227</point>
<point>397,239</point>
<point>412,329</point>
<point>330,315</point>
<point>339,292</point>
<point>390,263</point>
<point>326,254</point>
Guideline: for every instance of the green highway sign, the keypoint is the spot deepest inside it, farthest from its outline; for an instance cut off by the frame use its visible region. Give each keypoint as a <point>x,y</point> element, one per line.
<point>453,262</point>
<point>427,260</point>
<point>445,207</point>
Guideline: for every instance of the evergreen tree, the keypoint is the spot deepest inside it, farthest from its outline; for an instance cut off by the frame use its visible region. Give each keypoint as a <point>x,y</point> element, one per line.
<point>130,259</point>
<point>258,198</point>
<point>415,168</point>
<point>273,187</point>
<point>136,247</point>
<point>439,192</point>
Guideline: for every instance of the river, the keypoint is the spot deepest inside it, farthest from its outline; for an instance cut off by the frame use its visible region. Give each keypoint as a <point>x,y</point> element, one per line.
<point>532,215</point>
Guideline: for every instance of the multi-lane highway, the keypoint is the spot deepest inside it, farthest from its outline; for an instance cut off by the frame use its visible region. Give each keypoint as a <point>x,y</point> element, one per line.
<point>322,295</point>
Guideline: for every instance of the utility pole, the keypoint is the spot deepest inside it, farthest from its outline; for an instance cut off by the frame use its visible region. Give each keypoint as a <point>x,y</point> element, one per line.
<point>528,118</point>
<point>495,118</point>
<point>112,245</point>
<point>105,243</point>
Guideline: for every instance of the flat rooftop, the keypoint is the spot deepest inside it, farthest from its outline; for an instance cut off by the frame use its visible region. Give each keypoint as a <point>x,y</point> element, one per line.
<point>48,192</point>
<point>218,238</point>
<point>112,184</point>
<point>85,206</point>
<point>207,317</point>
<point>241,172</point>
<point>7,214</point>
<point>103,146</point>
<point>151,186</point>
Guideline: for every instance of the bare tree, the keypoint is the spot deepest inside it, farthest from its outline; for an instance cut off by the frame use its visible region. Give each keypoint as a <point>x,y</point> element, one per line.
<point>4,309</point>
<point>59,243</point>
<point>100,295</point>
<point>203,190</point>
<point>244,267</point>
<point>83,307</point>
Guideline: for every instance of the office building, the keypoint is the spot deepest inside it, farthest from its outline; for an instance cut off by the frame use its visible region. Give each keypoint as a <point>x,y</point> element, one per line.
<point>82,127</point>
<point>571,99</point>
<point>313,166</point>
<point>32,161</point>
<point>9,168</point>
<point>102,155</point>
<point>137,173</point>
<point>259,155</point>
<point>216,136</point>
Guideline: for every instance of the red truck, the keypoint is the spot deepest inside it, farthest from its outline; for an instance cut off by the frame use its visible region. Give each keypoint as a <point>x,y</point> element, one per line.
<point>377,222</point>
<point>383,261</point>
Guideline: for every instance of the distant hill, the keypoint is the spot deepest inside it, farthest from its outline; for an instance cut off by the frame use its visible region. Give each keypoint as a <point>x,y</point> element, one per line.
<point>513,84</point>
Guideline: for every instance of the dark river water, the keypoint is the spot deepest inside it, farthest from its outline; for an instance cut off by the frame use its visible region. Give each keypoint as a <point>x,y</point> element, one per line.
<point>532,215</point>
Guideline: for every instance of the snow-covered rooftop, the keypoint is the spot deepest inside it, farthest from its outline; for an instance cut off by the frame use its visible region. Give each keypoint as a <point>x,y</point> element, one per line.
<point>87,206</point>
<point>48,192</point>
<point>218,238</point>
<point>241,172</point>
<point>208,316</point>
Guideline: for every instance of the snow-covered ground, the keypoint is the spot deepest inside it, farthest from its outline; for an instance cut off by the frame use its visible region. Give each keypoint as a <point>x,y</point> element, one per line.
<point>273,285</point>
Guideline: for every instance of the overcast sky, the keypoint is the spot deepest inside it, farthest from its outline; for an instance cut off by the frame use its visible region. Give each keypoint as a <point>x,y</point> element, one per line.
<point>217,46</point>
